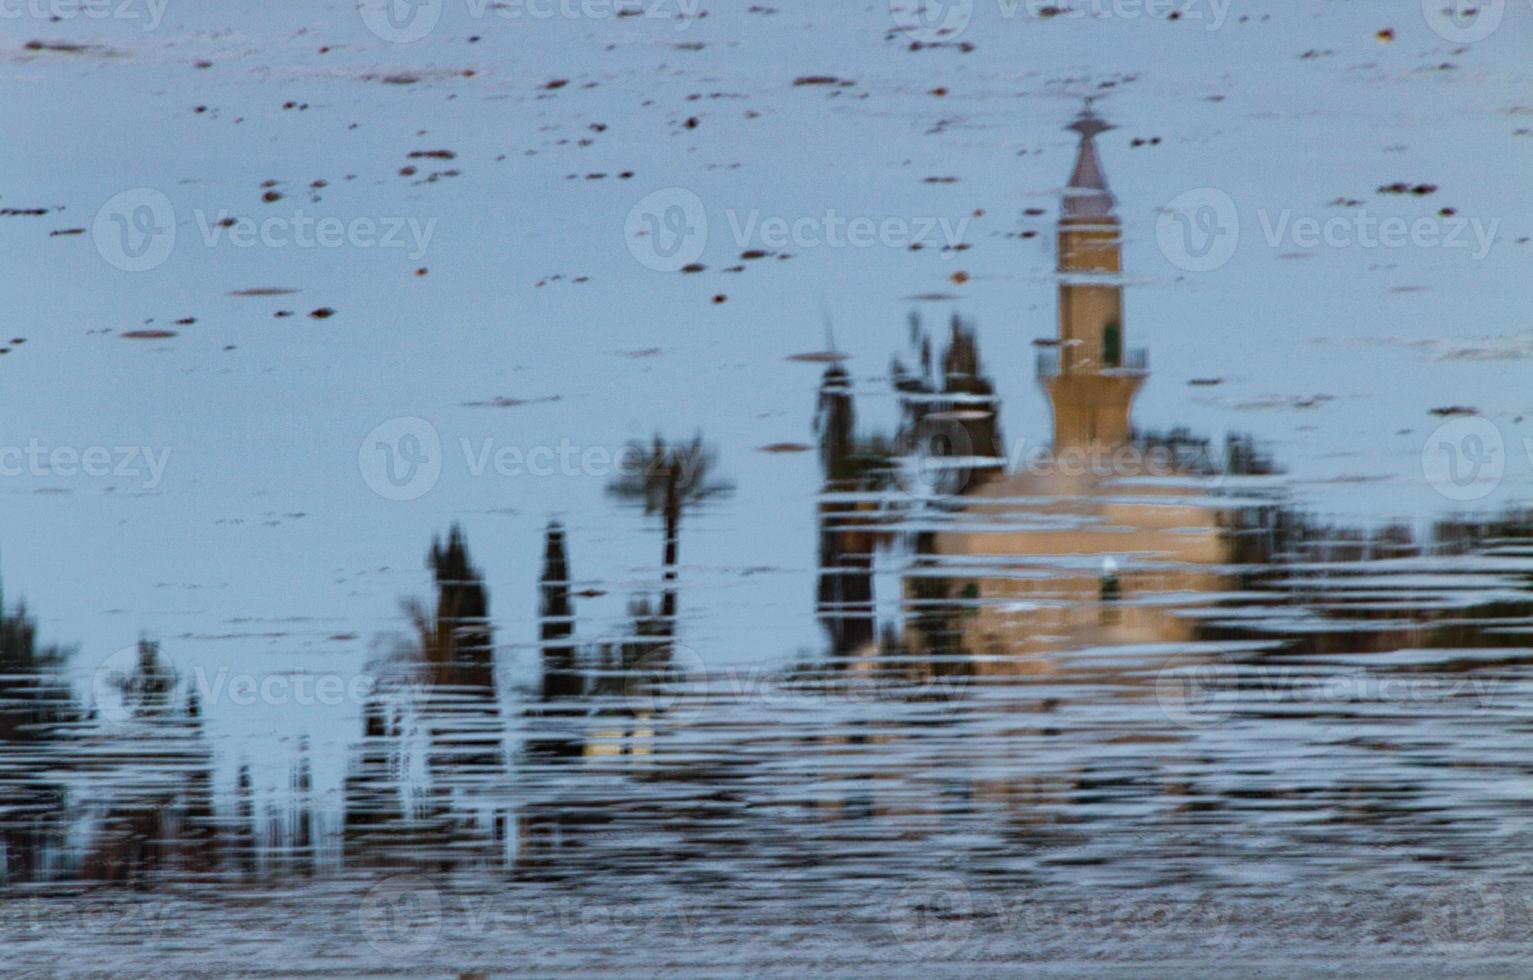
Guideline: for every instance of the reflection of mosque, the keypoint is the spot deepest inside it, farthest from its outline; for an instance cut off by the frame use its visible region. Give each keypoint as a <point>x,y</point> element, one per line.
<point>1117,536</point>
<point>1001,571</point>
<point>1027,553</point>
<point>1052,556</point>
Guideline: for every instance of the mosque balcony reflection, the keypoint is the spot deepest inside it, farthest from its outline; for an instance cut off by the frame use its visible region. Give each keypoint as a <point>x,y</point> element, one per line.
<point>1050,362</point>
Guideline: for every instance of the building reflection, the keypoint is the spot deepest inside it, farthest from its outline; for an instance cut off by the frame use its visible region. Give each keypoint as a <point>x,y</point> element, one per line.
<point>1115,537</point>
<point>1048,589</point>
<point>1062,551</point>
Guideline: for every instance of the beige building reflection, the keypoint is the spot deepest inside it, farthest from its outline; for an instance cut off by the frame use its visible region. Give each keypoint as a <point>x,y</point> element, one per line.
<point>1064,552</point>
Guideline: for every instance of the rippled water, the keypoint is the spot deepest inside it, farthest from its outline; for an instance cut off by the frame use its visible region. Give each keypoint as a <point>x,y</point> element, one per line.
<point>859,679</point>
<point>1255,735</point>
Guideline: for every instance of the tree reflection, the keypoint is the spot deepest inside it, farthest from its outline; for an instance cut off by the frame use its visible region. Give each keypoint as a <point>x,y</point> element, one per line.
<point>667,479</point>
<point>420,785</point>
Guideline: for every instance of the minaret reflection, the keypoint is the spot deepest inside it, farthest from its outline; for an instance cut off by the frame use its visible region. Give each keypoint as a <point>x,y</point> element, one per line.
<point>1062,550</point>
<point>1090,377</point>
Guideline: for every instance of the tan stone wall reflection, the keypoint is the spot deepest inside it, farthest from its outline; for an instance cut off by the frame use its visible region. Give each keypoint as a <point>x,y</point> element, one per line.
<point>1048,563</point>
